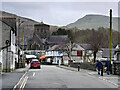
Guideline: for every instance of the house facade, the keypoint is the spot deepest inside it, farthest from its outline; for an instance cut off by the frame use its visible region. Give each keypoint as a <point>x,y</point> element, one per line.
<point>8,43</point>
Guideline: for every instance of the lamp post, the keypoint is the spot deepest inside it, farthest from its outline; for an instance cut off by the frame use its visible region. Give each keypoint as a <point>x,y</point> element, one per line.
<point>7,43</point>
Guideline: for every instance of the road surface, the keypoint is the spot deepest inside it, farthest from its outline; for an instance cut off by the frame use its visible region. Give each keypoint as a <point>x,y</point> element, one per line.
<point>55,77</point>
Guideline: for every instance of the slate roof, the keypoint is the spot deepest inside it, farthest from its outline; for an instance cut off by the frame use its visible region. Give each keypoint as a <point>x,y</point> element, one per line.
<point>56,47</point>
<point>10,21</point>
<point>41,23</point>
<point>106,52</point>
<point>58,39</point>
<point>86,46</point>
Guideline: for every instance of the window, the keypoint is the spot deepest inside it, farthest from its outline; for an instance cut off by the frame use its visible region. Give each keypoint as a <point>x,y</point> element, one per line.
<point>118,56</point>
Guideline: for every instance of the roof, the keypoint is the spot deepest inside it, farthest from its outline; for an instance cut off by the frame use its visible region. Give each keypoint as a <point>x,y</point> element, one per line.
<point>58,39</point>
<point>55,47</point>
<point>106,52</point>
<point>9,21</point>
<point>41,23</point>
<point>86,46</point>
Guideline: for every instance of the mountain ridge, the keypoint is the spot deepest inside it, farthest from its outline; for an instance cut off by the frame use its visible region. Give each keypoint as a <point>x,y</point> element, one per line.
<point>94,21</point>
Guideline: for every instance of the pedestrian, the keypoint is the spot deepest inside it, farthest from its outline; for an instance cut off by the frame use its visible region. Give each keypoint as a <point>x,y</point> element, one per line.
<point>27,61</point>
<point>99,65</point>
<point>108,65</point>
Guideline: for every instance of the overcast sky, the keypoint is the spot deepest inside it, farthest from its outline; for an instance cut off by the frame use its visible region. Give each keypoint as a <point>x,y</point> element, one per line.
<point>59,13</point>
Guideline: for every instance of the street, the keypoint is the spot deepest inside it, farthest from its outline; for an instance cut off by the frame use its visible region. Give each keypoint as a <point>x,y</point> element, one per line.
<point>55,77</point>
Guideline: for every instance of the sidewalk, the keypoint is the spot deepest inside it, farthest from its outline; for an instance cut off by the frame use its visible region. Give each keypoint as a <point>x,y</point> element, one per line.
<point>109,78</point>
<point>9,79</point>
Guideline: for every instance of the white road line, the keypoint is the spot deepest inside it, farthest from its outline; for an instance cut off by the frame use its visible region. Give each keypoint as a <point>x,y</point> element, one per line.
<point>19,81</point>
<point>33,74</point>
<point>25,82</point>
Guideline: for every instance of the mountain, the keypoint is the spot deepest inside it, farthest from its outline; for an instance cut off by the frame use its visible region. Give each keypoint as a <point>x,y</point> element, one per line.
<point>94,21</point>
<point>28,24</point>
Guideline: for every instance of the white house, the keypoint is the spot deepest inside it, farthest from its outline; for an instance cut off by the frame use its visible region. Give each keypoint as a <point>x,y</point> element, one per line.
<point>54,55</point>
<point>8,43</point>
<point>77,54</point>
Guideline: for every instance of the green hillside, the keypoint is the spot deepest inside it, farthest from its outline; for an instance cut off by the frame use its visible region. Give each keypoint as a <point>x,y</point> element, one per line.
<point>94,21</point>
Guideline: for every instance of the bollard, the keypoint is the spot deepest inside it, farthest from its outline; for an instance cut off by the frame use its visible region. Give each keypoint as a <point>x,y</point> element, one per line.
<point>102,71</point>
<point>79,67</point>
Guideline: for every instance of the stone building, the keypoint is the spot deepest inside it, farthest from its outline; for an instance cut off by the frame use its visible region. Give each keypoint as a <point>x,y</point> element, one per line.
<point>38,40</point>
<point>42,30</point>
<point>43,40</point>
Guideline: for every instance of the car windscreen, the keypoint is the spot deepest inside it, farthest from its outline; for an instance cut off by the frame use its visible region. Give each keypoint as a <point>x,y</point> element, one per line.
<point>35,61</point>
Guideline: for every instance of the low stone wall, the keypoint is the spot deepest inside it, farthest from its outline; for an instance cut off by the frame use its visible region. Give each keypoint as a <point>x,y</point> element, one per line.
<point>91,66</point>
<point>86,65</point>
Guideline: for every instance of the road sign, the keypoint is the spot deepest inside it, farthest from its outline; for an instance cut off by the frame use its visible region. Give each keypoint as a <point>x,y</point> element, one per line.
<point>59,52</point>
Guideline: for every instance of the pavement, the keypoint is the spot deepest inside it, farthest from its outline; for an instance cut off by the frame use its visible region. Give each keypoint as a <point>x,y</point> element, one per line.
<point>9,79</point>
<point>113,79</point>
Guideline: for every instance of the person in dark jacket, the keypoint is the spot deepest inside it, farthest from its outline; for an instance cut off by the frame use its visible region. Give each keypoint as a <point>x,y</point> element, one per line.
<point>99,65</point>
<point>108,65</point>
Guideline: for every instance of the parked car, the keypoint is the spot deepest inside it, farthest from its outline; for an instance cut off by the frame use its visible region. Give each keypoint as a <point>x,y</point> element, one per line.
<point>35,63</point>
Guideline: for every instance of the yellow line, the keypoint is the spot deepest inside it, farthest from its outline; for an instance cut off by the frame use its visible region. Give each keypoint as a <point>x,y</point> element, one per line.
<point>23,82</point>
<point>19,81</point>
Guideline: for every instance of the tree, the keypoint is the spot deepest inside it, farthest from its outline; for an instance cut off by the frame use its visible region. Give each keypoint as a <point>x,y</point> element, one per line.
<point>97,41</point>
<point>67,48</point>
<point>61,31</point>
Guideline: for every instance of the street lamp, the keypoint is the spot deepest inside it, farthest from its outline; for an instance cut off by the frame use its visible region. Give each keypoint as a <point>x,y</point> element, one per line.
<point>7,42</point>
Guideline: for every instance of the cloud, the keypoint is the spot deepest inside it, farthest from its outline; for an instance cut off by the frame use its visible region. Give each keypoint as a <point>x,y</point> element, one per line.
<point>59,13</point>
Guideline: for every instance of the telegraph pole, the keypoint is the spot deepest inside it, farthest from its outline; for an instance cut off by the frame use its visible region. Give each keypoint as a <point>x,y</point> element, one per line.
<point>110,34</point>
<point>18,42</point>
<point>23,47</point>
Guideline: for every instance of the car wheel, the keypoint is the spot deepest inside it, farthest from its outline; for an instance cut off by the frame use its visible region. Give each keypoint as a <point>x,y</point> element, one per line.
<point>39,67</point>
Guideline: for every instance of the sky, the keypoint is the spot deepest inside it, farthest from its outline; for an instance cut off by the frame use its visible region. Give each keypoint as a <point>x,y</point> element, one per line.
<point>59,13</point>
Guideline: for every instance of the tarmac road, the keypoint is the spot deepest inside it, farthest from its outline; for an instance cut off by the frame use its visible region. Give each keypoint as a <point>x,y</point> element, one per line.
<point>55,77</point>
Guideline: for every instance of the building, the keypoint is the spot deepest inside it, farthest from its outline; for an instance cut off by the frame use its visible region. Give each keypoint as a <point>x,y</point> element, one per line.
<point>38,40</point>
<point>8,43</point>
<point>42,30</point>
<point>42,40</point>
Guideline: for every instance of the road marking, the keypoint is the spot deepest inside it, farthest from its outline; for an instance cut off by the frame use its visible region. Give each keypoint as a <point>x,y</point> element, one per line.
<point>23,83</point>
<point>33,74</point>
<point>19,81</point>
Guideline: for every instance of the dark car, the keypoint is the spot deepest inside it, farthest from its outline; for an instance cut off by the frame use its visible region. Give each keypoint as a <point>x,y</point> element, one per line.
<point>35,63</point>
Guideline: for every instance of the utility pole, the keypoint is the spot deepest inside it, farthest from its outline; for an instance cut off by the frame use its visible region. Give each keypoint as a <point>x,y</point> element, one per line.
<point>23,47</point>
<point>18,26</point>
<point>70,49</point>
<point>110,34</point>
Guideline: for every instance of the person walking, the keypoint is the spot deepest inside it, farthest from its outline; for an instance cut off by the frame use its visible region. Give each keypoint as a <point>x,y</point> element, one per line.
<point>108,65</point>
<point>99,65</point>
